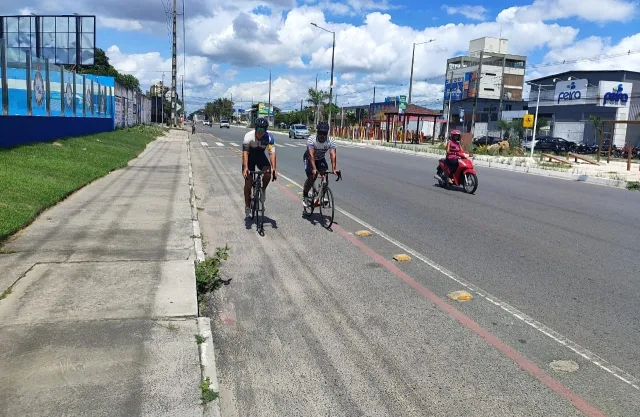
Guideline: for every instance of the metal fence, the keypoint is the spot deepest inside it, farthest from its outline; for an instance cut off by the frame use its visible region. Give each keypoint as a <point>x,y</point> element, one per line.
<point>33,86</point>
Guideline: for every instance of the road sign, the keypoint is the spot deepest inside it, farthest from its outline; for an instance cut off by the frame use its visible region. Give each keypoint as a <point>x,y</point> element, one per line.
<point>527,122</point>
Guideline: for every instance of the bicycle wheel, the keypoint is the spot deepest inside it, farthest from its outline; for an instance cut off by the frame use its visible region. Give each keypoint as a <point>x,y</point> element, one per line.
<point>326,207</point>
<point>259,211</point>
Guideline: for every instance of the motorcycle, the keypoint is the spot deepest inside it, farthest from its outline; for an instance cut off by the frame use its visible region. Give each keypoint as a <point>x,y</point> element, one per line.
<point>464,176</point>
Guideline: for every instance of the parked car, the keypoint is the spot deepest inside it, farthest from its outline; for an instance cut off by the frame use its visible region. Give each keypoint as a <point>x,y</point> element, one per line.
<point>486,140</point>
<point>224,123</point>
<point>298,131</point>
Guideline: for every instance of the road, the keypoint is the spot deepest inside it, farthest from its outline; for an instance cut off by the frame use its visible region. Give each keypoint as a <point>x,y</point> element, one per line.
<point>553,266</point>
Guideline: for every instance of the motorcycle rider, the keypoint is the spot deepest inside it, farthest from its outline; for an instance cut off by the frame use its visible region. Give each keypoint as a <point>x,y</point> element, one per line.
<point>453,147</point>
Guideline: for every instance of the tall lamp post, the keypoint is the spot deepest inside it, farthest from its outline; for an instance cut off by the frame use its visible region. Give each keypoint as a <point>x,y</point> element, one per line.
<point>413,55</point>
<point>318,106</point>
<point>333,52</point>
<point>535,118</point>
<point>269,108</point>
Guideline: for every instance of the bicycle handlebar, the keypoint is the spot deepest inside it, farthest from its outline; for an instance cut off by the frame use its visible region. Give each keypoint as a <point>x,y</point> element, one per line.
<point>339,174</point>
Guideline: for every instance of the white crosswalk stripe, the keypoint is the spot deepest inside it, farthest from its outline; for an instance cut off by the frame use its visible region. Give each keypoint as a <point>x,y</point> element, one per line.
<point>204,143</point>
<point>219,144</point>
<point>235,144</point>
<point>289,144</point>
<point>280,146</point>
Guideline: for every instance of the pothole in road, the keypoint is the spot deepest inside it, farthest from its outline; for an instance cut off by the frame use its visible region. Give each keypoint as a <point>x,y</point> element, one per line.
<point>564,366</point>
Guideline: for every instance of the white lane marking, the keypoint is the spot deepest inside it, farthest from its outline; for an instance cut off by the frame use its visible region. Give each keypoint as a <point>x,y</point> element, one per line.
<point>219,144</point>
<point>601,363</point>
<point>204,143</point>
<point>234,144</point>
<point>280,146</point>
<point>289,144</point>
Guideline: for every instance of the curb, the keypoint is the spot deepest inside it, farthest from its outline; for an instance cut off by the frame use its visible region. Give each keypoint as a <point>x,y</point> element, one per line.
<point>197,237</point>
<point>589,179</point>
<point>205,349</point>
<point>208,365</point>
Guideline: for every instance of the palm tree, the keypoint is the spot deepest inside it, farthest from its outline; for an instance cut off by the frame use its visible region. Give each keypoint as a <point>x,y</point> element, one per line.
<point>504,127</point>
<point>317,98</point>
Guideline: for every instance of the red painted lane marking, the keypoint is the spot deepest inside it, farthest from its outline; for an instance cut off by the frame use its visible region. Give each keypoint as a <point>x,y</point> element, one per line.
<point>553,384</point>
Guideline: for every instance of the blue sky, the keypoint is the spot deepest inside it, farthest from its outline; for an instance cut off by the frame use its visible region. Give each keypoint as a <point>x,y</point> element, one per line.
<point>226,39</point>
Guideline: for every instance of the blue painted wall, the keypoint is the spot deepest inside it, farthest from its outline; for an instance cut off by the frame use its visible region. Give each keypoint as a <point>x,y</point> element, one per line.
<point>19,130</point>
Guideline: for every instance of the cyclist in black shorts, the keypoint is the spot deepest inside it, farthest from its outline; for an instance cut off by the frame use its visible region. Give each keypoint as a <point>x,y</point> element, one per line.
<point>314,160</point>
<point>253,147</point>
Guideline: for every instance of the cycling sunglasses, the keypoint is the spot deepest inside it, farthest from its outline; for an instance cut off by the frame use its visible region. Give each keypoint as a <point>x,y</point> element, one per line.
<point>261,129</point>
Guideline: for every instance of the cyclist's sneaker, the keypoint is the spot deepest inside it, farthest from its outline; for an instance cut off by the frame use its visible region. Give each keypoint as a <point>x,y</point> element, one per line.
<point>305,202</point>
<point>247,212</point>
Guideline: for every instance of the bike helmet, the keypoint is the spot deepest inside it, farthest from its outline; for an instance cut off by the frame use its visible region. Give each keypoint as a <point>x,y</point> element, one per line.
<point>455,135</point>
<point>262,123</point>
<point>322,130</point>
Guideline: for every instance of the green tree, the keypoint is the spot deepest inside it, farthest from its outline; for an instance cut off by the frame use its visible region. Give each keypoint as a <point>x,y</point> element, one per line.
<point>504,127</point>
<point>317,98</point>
<point>542,123</point>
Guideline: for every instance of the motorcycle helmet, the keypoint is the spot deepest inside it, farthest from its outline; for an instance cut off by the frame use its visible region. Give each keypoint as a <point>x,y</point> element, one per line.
<point>456,135</point>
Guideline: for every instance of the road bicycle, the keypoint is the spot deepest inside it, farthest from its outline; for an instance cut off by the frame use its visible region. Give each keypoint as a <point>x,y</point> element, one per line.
<point>322,198</point>
<point>257,206</point>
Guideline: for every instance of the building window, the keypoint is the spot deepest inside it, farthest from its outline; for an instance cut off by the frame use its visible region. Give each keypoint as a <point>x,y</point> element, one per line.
<point>491,74</point>
<point>489,89</point>
<point>508,107</point>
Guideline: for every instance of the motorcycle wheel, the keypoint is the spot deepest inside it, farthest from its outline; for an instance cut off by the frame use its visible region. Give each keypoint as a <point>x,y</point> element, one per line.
<point>440,174</point>
<point>470,183</point>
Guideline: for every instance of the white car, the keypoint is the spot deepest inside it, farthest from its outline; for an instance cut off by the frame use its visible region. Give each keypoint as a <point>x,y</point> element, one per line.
<point>206,123</point>
<point>224,123</point>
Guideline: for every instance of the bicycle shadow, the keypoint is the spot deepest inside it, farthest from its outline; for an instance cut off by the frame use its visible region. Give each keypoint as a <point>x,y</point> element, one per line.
<point>316,220</point>
<point>249,222</point>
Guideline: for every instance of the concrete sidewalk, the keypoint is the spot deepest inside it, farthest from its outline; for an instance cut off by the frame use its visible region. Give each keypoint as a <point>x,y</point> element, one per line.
<point>102,313</point>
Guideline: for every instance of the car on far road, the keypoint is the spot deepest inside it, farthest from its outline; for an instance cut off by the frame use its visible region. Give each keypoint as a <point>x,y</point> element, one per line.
<point>298,131</point>
<point>224,123</point>
<point>206,123</point>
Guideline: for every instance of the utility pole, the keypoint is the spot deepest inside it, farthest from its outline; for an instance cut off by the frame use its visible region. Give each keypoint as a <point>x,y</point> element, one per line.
<point>184,61</point>
<point>182,94</point>
<point>162,99</point>
<point>301,100</point>
<point>174,50</point>
<point>475,102</point>
<point>504,62</point>
<point>317,106</point>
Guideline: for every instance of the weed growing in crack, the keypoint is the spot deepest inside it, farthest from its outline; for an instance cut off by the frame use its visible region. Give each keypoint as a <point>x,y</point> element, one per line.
<point>6,293</point>
<point>207,394</point>
<point>207,272</point>
<point>633,185</point>
<point>200,339</point>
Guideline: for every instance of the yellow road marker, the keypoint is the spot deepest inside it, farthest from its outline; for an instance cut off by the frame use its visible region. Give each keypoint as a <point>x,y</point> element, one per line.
<point>363,233</point>
<point>290,185</point>
<point>401,257</point>
<point>460,296</point>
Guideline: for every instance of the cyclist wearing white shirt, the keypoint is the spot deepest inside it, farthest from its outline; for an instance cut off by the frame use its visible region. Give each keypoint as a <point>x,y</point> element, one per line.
<point>253,156</point>
<point>314,156</point>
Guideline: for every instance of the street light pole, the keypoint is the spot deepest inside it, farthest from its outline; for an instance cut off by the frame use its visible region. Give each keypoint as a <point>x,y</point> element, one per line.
<point>333,52</point>
<point>535,120</point>
<point>269,108</point>
<point>413,55</point>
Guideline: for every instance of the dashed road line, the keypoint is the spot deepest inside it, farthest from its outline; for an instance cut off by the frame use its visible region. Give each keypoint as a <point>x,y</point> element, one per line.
<point>219,143</point>
<point>601,363</point>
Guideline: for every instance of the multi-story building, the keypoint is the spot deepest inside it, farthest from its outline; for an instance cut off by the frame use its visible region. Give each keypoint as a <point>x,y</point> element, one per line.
<point>482,84</point>
<point>157,89</point>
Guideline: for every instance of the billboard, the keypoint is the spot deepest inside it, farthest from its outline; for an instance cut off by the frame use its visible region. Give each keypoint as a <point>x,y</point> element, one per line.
<point>453,89</point>
<point>63,39</point>
<point>570,92</point>
<point>614,94</point>
<point>263,110</point>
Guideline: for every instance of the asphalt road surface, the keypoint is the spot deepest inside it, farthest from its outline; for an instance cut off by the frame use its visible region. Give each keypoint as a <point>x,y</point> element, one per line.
<point>317,323</point>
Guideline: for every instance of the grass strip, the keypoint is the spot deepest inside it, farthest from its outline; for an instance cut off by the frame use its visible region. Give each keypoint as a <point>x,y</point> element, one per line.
<point>36,176</point>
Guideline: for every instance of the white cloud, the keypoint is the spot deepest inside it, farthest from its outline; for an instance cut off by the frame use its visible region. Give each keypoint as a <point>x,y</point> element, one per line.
<point>590,10</point>
<point>119,24</point>
<point>470,12</point>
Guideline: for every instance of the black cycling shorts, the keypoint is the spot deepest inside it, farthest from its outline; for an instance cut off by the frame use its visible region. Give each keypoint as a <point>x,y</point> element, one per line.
<point>321,165</point>
<point>257,159</point>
